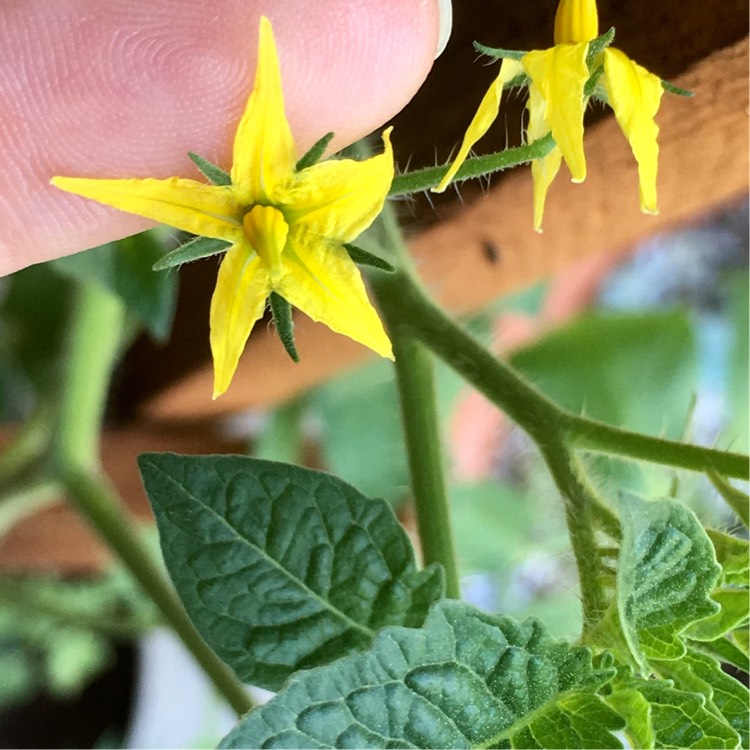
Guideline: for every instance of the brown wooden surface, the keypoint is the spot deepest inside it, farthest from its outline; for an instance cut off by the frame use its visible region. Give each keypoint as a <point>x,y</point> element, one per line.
<point>703,165</point>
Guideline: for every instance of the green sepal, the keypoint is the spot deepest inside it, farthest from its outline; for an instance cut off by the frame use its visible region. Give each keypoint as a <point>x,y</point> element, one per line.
<point>499,53</point>
<point>216,174</point>
<point>195,249</point>
<point>282,318</point>
<point>363,258</point>
<point>672,89</point>
<point>590,87</point>
<point>313,154</point>
<point>597,45</point>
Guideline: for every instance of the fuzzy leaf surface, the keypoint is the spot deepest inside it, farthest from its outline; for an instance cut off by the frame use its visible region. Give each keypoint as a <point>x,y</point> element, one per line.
<point>725,696</point>
<point>465,679</point>
<point>280,567</point>
<point>667,569</point>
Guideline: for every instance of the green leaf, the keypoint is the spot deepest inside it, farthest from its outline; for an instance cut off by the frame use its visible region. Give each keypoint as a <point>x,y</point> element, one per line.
<point>125,269</point>
<point>33,324</point>
<point>733,614</point>
<point>282,318</point>
<point>282,568</point>
<point>636,710</point>
<point>216,174</point>
<point>730,649</point>
<point>466,679</point>
<point>666,571</point>
<point>195,249</point>
<point>733,555</point>
<point>314,153</point>
<point>725,696</point>
<point>735,498</point>
<point>360,417</point>
<point>681,719</point>
<point>365,258</point>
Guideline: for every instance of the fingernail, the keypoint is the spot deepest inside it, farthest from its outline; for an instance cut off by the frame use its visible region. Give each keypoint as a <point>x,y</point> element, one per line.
<point>445,16</point>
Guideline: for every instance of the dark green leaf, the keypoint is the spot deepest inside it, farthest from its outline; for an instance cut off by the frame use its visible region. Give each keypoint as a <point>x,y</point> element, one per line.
<point>282,568</point>
<point>216,174</point>
<point>666,571</point>
<point>282,318</point>
<point>195,249</point>
<point>725,697</point>
<point>465,680</point>
<point>314,153</point>
<point>365,258</point>
<point>34,313</point>
<point>125,269</point>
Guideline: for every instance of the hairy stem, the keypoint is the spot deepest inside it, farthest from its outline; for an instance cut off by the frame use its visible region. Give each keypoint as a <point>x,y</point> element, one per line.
<point>415,376</point>
<point>477,166</point>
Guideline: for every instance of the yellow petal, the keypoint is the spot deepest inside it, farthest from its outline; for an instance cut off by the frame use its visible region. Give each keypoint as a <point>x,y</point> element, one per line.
<point>238,302</point>
<point>264,156</point>
<point>576,21</point>
<point>485,116</point>
<point>207,210</point>
<point>544,170</point>
<point>635,94</point>
<point>323,282</point>
<point>560,73</point>
<point>266,233</point>
<point>340,198</point>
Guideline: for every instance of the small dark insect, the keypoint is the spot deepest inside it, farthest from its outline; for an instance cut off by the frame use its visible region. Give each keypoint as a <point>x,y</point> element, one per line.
<point>491,251</point>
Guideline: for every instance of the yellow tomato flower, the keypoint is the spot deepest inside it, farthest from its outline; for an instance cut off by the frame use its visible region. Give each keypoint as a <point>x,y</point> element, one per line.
<point>557,79</point>
<point>287,228</point>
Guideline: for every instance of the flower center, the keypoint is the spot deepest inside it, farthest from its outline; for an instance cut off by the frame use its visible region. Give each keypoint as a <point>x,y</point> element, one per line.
<point>266,232</point>
<point>576,21</point>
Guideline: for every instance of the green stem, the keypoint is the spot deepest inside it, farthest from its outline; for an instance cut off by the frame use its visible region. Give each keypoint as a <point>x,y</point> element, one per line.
<point>416,385</point>
<point>477,166</point>
<point>101,508</point>
<point>579,498</point>
<point>597,436</point>
<point>93,344</point>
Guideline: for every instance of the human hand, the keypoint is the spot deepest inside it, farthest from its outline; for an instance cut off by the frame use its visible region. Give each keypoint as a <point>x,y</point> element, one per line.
<point>126,89</point>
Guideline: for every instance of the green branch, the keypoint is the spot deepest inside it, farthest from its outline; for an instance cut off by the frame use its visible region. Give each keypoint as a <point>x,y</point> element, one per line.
<point>477,166</point>
<point>600,437</point>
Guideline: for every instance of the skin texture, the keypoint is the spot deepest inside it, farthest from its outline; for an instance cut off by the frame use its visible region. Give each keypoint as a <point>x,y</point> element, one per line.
<point>126,88</point>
